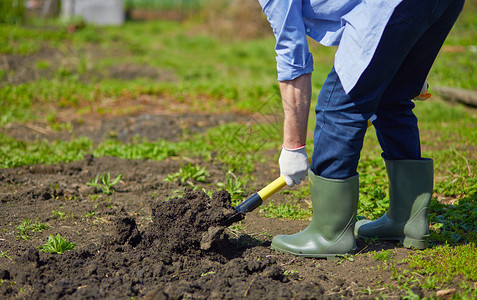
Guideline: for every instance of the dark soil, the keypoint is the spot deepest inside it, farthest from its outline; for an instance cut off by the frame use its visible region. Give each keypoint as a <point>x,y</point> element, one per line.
<point>127,128</point>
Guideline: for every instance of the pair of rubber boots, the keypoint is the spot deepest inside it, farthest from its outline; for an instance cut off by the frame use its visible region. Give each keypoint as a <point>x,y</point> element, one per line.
<point>333,227</point>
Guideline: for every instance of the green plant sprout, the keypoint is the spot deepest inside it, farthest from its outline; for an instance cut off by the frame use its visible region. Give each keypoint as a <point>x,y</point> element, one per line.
<point>26,226</point>
<point>189,172</point>
<point>58,213</point>
<point>5,255</point>
<point>207,273</point>
<point>56,245</point>
<point>89,215</point>
<point>290,272</point>
<point>106,184</point>
<point>233,185</point>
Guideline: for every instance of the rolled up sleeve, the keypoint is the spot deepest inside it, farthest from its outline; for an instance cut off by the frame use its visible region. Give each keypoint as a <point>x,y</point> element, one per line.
<point>293,56</point>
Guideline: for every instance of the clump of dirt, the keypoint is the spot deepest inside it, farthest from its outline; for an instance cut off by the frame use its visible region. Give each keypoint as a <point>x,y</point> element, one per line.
<point>198,222</point>
<point>181,225</point>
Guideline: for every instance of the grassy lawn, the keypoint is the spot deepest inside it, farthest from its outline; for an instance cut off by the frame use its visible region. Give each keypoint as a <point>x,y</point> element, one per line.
<point>83,73</point>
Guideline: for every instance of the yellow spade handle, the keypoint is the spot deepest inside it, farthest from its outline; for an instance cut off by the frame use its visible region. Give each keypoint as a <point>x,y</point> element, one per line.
<point>274,186</point>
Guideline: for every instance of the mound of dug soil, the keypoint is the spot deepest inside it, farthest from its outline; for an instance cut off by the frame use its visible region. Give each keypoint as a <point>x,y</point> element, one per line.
<point>190,223</point>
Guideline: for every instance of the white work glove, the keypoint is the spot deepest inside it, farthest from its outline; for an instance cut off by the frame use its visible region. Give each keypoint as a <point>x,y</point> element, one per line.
<point>293,165</point>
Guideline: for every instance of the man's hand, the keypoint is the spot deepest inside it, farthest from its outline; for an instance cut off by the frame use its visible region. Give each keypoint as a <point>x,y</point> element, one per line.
<point>294,165</point>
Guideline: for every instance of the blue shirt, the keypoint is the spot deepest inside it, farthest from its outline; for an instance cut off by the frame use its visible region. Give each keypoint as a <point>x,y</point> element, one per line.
<point>356,26</point>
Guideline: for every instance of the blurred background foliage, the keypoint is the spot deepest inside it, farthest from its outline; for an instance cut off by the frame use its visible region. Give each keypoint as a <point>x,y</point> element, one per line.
<point>12,11</point>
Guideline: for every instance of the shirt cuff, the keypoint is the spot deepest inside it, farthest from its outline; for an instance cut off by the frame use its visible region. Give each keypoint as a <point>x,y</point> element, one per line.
<point>288,71</point>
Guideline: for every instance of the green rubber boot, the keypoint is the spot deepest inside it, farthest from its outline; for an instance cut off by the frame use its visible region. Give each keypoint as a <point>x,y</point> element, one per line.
<point>330,232</point>
<point>410,191</point>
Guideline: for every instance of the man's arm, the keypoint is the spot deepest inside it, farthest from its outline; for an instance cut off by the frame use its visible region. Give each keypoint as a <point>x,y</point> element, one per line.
<point>296,97</point>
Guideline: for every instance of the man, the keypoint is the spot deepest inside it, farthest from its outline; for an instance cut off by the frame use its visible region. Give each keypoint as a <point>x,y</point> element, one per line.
<point>385,51</point>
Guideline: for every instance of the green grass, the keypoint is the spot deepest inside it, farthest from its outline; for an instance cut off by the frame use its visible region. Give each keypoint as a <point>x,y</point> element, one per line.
<point>288,210</point>
<point>443,263</point>
<point>15,153</point>
<point>236,145</point>
<point>436,268</point>
<point>22,41</point>
<point>205,67</point>
<point>455,66</point>
<point>454,224</point>
<point>189,172</point>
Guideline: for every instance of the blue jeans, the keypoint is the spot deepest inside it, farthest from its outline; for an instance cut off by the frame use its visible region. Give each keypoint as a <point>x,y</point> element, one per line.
<point>384,92</point>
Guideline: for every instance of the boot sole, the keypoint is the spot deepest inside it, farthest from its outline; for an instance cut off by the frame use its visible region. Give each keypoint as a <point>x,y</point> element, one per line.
<point>328,256</point>
<point>407,242</point>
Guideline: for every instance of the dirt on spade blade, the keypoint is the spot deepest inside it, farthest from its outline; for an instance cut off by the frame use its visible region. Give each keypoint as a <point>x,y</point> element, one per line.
<point>144,242</point>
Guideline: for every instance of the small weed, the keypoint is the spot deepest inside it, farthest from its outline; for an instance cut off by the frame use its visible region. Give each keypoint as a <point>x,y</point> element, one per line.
<point>56,245</point>
<point>106,184</point>
<point>22,230</point>
<point>343,258</point>
<point>207,273</point>
<point>89,215</point>
<point>367,290</point>
<point>411,295</point>
<point>189,172</point>
<point>26,226</point>
<point>58,214</point>
<point>236,228</point>
<point>290,272</point>
<point>383,255</point>
<point>71,198</point>
<point>94,197</point>
<point>234,186</point>
<point>5,255</point>
<point>176,193</point>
